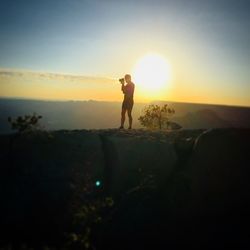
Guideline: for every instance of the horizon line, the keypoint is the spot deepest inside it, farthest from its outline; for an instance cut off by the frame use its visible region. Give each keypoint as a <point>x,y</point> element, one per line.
<point>94,100</point>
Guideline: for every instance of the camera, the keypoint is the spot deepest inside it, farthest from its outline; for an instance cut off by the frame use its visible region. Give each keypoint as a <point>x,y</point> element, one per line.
<point>121,80</point>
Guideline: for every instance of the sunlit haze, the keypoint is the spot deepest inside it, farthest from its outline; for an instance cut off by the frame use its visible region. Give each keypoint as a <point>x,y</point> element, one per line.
<point>176,50</point>
<point>152,76</point>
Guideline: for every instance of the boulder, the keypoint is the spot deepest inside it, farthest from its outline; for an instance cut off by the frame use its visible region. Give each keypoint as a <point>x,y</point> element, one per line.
<point>132,160</point>
<point>220,171</point>
<point>217,203</point>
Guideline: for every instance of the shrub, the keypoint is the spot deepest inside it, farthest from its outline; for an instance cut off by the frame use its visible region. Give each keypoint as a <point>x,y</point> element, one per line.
<point>157,117</point>
<point>25,123</point>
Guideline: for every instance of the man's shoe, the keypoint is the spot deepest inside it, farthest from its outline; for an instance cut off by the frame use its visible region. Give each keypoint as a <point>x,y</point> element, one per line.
<point>121,127</point>
<point>129,127</point>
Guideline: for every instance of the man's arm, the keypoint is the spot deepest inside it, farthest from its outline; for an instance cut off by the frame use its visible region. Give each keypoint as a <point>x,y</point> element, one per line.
<point>133,89</point>
<point>123,89</point>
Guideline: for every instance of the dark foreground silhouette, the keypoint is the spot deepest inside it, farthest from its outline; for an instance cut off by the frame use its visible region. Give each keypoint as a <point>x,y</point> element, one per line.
<point>125,189</point>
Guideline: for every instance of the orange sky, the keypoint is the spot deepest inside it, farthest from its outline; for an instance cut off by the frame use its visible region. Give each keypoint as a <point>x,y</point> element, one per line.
<point>42,85</point>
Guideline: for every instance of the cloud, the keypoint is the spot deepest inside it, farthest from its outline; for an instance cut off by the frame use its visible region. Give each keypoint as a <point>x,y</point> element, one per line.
<point>54,76</point>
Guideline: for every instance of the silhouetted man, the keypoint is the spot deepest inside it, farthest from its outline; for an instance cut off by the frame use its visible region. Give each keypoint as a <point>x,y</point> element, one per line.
<point>128,102</point>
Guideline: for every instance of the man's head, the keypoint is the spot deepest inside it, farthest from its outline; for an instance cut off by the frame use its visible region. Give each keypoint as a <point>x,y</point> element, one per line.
<point>127,78</point>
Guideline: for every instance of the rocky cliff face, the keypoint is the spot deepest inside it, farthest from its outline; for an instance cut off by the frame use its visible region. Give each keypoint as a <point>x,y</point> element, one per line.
<point>180,188</point>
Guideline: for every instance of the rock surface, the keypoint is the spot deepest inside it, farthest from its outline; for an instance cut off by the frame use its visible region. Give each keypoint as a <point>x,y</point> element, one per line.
<point>180,188</point>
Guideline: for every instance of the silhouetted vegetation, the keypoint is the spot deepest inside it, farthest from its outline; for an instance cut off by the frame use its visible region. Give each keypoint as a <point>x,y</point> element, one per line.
<point>157,117</point>
<point>25,123</point>
<point>89,209</point>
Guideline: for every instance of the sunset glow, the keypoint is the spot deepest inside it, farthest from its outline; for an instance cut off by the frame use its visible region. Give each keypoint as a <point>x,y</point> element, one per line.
<point>152,73</point>
<point>185,51</point>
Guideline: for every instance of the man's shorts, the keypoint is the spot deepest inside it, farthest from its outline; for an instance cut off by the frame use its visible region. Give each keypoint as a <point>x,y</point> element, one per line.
<point>127,104</point>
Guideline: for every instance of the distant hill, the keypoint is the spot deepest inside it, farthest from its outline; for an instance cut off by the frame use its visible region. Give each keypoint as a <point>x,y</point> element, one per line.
<point>234,116</point>
<point>101,115</point>
<point>204,118</point>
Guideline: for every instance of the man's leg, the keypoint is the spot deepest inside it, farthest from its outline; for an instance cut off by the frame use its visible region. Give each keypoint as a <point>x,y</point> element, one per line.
<point>130,118</point>
<point>123,117</point>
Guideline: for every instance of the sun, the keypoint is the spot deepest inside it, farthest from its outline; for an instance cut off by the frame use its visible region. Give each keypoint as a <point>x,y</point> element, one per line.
<point>152,73</point>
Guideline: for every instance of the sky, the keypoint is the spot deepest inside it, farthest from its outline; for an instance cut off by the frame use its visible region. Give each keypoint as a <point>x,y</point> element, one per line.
<point>76,49</point>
